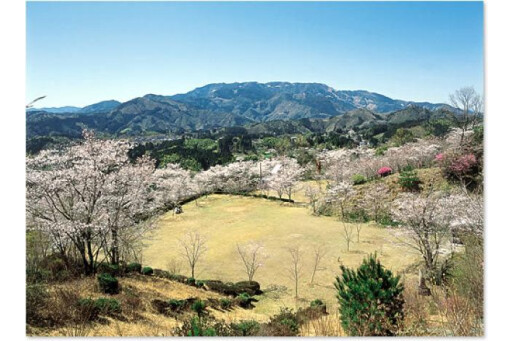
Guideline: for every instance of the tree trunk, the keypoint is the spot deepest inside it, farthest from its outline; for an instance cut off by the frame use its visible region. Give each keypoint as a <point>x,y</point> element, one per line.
<point>92,268</point>
<point>115,247</point>
<point>296,286</point>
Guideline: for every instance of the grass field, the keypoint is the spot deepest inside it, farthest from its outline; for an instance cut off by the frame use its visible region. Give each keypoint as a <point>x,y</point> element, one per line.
<point>228,220</point>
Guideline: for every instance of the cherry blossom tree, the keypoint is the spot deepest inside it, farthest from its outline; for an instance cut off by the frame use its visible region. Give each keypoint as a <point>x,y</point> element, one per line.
<point>173,184</point>
<point>285,176</point>
<point>339,196</point>
<point>313,193</point>
<point>203,182</point>
<point>88,194</point>
<point>236,177</point>
<point>375,201</point>
<point>337,164</point>
<point>468,212</point>
<point>129,204</point>
<point>427,219</point>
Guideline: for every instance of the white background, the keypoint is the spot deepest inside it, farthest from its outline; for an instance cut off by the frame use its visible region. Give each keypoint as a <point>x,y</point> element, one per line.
<point>498,169</point>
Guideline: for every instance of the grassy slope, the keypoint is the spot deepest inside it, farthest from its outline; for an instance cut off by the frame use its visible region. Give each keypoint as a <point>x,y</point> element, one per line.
<point>142,320</point>
<point>426,175</point>
<point>228,220</point>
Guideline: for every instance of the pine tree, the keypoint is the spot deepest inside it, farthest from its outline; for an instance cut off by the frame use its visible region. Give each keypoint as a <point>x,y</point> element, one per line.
<point>371,301</point>
<point>409,180</point>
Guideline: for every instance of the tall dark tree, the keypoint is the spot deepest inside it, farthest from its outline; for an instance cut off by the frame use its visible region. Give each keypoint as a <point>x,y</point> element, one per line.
<point>370,298</point>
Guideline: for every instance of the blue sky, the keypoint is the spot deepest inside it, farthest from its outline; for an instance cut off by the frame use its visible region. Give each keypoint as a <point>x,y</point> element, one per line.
<point>82,53</point>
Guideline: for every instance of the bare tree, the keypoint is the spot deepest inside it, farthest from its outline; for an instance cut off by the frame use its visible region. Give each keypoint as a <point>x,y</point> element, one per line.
<point>295,269</point>
<point>193,247</point>
<point>313,194</point>
<point>252,258</point>
<point>320,253</point>
<point>348,234</point>
<point>359,226</point>
<point>174,266</point>
<point>469,102</point>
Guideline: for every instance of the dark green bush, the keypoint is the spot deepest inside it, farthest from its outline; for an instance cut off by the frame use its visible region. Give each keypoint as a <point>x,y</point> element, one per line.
<point>108,284</point>
<point>176,305</point>
<point>250,287</point>
<point>108,306</point>
<point>191,281</point>
<point>199,284</point>
<point>370,298</point>
<point>381,150</point>
<point>316,303</point>
<point>409,180</point>
<point>134,267</point>
<point>108,268</point>
<point>225,303</point>
<point>87,309</point>
<point>246,328</point>
<point>358,179</point>
<point>244,300</point>
<point>90,309</point>
<point>147,271</point>
<point>283,324</point>
<point>196,327</point>
<point>199,307</point>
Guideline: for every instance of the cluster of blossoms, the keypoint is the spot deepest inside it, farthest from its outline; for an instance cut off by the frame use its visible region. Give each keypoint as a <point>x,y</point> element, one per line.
<point>172,185</point>
<point>339,195</point>
<point>280,175</point>
<point>342,164</point>
<point>455,136</point>
<point>89,196</point>
<point>463,164</point>
<point>431,219</point>
<point>384,171</point>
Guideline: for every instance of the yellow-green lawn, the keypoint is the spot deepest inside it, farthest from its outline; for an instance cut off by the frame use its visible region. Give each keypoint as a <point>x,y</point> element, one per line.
<point>227,220</point>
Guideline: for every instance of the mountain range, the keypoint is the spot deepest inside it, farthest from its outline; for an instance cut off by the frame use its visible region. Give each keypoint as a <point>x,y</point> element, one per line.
<point>225,105</point>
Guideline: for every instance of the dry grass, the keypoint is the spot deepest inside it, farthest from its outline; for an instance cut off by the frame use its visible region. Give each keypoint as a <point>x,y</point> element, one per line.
<point>138,317</point>
<point>328,325</point>
<point>228,220</point>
